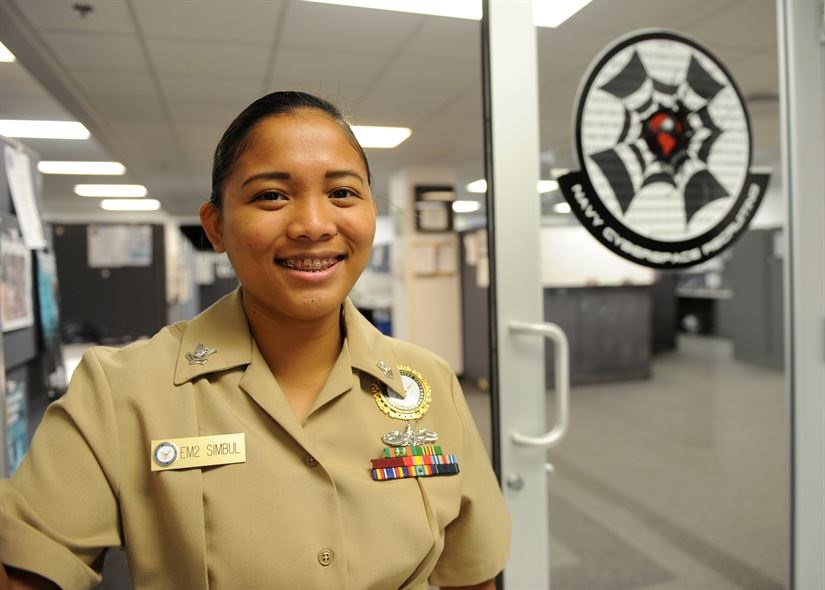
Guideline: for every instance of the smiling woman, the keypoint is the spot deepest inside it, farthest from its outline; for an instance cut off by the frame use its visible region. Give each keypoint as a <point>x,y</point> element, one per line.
<point>335,441</point>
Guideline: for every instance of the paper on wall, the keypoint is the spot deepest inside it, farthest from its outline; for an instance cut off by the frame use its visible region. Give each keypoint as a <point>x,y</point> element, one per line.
<point>425,261</point>
<point>21,186</point>
<point>447,259</point>
<point>113,246</point>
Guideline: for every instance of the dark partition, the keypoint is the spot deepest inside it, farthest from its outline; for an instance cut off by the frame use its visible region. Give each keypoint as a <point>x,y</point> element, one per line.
<point>109,305</point>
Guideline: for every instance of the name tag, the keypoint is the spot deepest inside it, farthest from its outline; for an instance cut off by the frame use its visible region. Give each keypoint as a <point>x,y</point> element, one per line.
<point>198,451</point>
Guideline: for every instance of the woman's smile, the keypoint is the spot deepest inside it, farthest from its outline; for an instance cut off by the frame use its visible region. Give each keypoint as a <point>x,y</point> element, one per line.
<point>310,269</point>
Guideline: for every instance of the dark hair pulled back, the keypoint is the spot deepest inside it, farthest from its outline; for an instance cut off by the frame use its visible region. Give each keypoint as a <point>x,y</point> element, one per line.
<point>235,139</point>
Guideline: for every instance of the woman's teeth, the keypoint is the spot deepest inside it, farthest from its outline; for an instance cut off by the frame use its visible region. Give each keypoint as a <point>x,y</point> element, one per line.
<point>310,264</point>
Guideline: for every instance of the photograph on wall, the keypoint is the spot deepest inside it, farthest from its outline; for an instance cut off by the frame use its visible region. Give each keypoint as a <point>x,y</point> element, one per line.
<point>17,435</point>
<point>16,308</point>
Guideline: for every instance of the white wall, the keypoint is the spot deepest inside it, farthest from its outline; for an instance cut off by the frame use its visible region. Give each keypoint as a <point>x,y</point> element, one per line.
<point>426,309</point>
<point>571,257</point>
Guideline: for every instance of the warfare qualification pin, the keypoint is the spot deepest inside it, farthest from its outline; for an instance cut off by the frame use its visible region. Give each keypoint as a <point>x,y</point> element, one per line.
<point>415,402</point>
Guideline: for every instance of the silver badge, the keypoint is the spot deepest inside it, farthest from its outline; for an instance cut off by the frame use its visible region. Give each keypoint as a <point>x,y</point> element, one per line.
<point>409,437</point>
<point>384,368</point>
<point>199,356</point>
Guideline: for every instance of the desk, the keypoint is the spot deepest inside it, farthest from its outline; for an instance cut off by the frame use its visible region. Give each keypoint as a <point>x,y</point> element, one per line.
<point>609,330</point>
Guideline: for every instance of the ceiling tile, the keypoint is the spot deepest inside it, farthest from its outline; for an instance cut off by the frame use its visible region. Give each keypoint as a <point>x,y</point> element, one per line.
<point>748,25</point>
<point>414,87</point>
<point>608,19</point>
<point>134,111</point>
<point>451,38</point>
<point>96,51</point>
<point>24,98</point>
<point>224,88</point>
<point>333,75</point>
<point>112,84</point>
<point>756,73</point>
<point>337,28</point>
<point>203,58</point>
<point>191,116</point>
<point>246,21</point>
<point>111,16</point>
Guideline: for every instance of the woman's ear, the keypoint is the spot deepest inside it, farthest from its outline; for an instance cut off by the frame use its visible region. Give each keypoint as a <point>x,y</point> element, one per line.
<point>212,225</point>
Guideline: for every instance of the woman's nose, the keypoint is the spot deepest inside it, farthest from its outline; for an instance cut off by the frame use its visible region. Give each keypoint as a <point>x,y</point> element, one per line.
<point>312,219</point>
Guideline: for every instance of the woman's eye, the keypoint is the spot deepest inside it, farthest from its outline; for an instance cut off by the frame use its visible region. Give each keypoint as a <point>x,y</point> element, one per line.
<point>270,196</point>
<point>341,193</point>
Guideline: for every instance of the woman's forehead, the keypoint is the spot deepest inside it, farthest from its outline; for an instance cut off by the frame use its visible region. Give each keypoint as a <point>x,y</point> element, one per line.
<point>301,135</point>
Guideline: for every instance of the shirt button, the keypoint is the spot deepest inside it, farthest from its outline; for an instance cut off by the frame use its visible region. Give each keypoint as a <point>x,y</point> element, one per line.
<point>325,556</point>
<point>311,461</point>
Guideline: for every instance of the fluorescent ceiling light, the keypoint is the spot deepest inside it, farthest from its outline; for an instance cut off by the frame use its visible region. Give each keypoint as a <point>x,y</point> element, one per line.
<point>470,9</point>
<point>466,206</point>
<point>100,168</point>
<point>43,129</point>
<point>546,13</point>
<point>6,55</point>
<point>561,208</point>
<point>552,13</point>
<point>380,137</point>
<point>546,186</point>
<point>543,186</point>
<point>110,190</point>
<point>477,186</point>
<point>130,204</point>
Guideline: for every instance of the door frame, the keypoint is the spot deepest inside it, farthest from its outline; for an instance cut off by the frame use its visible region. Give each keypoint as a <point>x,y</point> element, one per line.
<point>511,112</point>
<point>801,46</point>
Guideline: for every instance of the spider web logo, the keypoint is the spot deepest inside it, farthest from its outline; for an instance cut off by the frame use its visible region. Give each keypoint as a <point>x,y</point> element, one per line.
<point>663,138</point>
<point>669,131</point>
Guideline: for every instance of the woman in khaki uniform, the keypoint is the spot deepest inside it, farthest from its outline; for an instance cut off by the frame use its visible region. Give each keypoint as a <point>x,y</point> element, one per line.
<point>277,440</point>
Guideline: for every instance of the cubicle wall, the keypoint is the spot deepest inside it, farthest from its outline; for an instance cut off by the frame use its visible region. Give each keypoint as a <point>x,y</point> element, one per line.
<point>31,357</point>
<point>110,304</point>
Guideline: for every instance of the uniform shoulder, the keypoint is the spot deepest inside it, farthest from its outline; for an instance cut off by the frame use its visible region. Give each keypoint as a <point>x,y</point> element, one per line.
<point>163,346</point>
<point>415,355</point>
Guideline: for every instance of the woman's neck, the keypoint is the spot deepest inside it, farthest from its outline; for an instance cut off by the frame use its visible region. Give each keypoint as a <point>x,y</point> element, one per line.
<point>299,353</point>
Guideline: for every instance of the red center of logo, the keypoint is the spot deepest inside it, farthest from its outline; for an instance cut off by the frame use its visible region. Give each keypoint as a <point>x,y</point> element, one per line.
<point>664,133</point>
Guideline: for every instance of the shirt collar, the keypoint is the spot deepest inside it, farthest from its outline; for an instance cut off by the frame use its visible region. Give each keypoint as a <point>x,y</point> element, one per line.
<point>370,351</point>
<point>224,328</point>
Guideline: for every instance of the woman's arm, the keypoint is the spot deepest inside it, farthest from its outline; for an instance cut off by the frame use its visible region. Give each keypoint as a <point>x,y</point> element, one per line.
<point>488,585</point>
<point>14,579</point>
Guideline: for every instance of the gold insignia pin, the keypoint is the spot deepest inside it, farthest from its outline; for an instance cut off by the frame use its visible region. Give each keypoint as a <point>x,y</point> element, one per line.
<point>415,401</point>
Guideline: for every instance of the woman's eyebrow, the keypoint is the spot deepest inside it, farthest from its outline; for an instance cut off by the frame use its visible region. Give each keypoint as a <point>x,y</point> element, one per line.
<point>333,174</point>
<point>267,176</point>
<point>275,175</point>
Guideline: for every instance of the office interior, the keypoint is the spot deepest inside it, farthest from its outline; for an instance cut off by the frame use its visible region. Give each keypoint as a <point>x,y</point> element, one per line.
<point>676,472</point>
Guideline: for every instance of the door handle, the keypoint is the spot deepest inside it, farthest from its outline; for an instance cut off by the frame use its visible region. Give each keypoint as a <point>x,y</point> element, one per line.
<point>561,354</point>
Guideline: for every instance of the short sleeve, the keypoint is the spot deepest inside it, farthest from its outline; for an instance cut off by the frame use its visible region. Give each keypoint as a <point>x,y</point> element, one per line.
<point>59,512</point>
<point>477,543</point>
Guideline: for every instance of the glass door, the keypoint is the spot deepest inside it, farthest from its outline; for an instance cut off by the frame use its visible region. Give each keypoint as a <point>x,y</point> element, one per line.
<point>675,472</point>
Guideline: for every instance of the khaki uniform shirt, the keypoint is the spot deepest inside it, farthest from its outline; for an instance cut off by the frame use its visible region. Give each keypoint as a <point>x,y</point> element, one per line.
<point>302,512</point>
